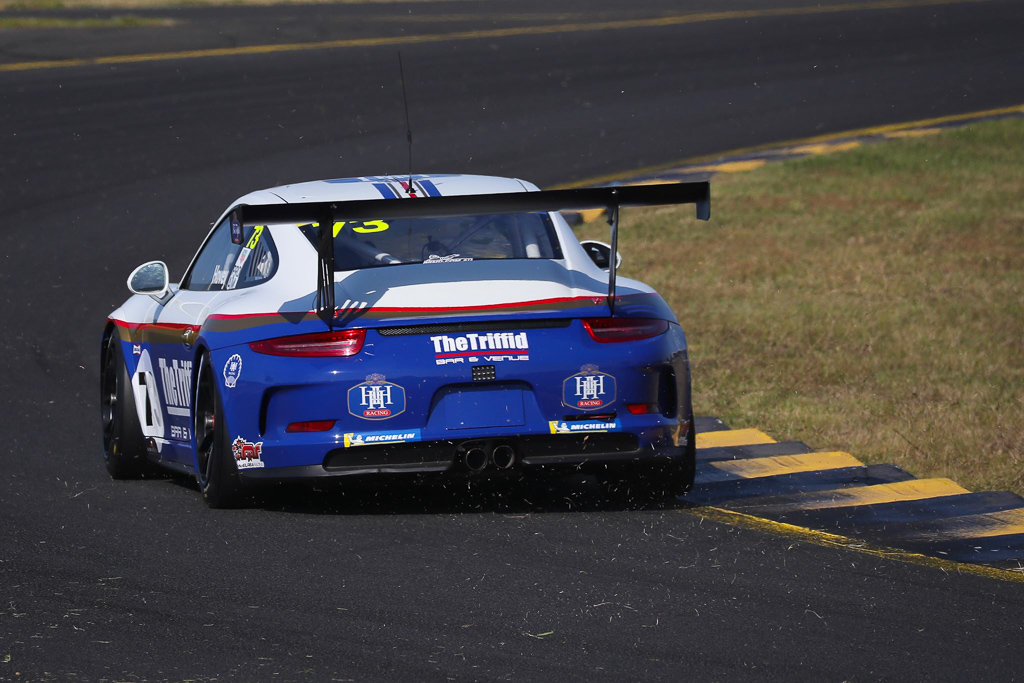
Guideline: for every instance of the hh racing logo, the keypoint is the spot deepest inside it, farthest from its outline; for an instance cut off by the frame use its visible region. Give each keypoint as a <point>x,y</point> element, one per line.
<point>376,399</point>
<point>588,389</point>
<point>247,454</point>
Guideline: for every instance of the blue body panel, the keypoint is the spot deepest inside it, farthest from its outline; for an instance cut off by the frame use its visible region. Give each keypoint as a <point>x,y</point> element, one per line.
<point>411,388</point>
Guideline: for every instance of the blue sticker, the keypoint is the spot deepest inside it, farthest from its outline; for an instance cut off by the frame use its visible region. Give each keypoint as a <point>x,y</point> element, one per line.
<point>232,371</point>
<point>353,439</point>
<point>376,399</point>
<point>236,230</point>
<point>589,389</point>
<point>584,426</point>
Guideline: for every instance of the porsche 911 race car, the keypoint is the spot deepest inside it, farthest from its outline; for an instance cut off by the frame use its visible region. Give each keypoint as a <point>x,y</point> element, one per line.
<point>429,323</point>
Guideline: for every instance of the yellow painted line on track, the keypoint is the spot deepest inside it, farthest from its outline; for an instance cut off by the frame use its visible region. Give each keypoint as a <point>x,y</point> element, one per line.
<point>755,468</point>
<point>658,22</point>
<point>732,437</point>
<point>988,525</point>
<point>914,133</point>
<point>913,489</point>
<point>887,129</point>
<point>732,166</point>
<point>823,538</point>
<point>824,148</point>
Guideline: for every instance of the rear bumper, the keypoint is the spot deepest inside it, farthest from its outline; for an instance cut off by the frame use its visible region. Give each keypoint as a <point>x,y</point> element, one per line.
<point>537,452</point>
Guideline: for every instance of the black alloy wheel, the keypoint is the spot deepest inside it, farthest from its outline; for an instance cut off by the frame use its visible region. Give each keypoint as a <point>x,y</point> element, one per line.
<point>216,471</point>
<point>124,446</point>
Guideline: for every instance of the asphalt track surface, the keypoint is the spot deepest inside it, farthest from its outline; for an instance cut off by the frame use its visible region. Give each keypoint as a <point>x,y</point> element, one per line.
<point>103,167</point>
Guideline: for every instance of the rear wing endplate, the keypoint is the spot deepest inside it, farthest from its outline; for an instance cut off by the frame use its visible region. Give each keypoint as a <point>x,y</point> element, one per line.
<point>608,198</point>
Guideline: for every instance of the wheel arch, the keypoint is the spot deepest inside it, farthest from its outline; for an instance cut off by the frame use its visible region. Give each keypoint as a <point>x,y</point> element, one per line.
<point>200,350</point>
<point>109,330</point>
<point>111,335</point>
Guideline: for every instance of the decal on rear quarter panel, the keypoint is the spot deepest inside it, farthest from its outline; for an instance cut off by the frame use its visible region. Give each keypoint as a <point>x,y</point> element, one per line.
<point>376,399</point>
<point>565,427</point>
<point>589,389</point>
<point>353,439</point>
<point>232,371</point>
<point>248,455</point>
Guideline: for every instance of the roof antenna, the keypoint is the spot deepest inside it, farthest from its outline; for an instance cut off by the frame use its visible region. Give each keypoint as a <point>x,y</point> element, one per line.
<point>408,126</point>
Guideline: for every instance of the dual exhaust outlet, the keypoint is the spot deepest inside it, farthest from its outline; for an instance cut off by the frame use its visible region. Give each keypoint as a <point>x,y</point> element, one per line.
<point>478,458</point>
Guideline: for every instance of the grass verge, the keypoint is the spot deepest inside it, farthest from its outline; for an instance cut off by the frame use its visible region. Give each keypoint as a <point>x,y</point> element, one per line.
<point>870,301</point>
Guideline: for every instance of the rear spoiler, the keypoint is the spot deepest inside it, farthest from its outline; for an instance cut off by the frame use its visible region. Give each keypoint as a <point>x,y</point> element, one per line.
<point>609,198</point>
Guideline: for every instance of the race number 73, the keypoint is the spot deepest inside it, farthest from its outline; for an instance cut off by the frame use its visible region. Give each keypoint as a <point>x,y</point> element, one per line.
<point>257,232</point>
<point>361,226</point>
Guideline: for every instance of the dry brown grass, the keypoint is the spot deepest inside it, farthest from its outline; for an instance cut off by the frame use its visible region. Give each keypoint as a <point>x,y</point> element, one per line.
<point>871,301</point>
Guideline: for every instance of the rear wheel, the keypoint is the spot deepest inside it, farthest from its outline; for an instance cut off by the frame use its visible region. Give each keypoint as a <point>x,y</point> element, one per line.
<point>124,446</point>
<point>665,478</point>
<point>216,471</point>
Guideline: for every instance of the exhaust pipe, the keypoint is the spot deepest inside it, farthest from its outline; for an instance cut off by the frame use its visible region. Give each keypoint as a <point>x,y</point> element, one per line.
<point>503,457</point>
<point>475,459</point>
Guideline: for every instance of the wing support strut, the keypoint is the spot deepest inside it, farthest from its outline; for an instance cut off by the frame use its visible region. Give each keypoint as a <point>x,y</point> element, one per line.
<point>613,258</point>
<point>610,198</point>
<point>325,308</point>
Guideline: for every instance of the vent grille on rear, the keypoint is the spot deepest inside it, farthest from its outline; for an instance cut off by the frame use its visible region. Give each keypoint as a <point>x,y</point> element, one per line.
<point>487,326</point>
<point>482,373</point>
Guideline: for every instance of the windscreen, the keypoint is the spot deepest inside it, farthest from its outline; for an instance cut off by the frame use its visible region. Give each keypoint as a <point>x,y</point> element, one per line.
<point>384,242</point>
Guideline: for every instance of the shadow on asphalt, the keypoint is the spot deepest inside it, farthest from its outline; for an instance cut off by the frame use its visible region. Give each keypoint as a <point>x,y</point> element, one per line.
<point>442,494</point>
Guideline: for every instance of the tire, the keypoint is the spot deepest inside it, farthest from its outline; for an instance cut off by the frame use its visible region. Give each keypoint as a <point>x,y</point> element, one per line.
<point>124,446</point>
<point>216,471</point>
<point>647,482</point>
<point>688,470</point>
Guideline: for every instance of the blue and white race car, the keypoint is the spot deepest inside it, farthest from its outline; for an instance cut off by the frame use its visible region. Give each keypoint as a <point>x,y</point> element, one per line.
<point>429,323</point>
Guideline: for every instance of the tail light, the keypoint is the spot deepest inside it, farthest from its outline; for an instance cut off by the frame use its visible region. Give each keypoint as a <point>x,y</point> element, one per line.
<point>337,343</point>
<point>607,330</point>
<point>641,408</point>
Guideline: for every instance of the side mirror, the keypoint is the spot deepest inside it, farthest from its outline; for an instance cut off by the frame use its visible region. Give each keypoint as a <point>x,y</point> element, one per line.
<point>151,279</point>
<point>600,253</point>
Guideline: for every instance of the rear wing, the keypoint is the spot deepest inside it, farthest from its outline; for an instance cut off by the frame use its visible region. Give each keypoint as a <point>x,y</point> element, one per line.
<point>608,198</point>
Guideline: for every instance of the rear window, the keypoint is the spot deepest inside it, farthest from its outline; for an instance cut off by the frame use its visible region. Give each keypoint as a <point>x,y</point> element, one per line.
<point>384,242</point>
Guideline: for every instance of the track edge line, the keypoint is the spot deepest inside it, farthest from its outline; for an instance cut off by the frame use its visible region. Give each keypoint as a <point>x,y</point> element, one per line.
<point>830,540</point>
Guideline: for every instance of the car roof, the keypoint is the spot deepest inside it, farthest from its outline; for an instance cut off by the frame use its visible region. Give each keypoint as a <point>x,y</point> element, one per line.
<point>384,186</point>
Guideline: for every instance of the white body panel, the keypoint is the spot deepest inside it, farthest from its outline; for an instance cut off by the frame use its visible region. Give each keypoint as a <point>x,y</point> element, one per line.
<point>293,286</point>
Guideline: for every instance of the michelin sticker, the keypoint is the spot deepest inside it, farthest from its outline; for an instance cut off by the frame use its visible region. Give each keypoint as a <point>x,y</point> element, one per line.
<point>374,438</point>
<point>376,399</point>
<point>247,454</point>
<point>232,371</point>
<point>589,389</point>
<point>582,426</point>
